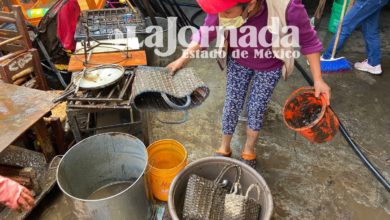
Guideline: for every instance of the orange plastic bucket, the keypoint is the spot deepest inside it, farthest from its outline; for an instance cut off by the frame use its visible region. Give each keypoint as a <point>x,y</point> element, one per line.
<point>166,159</point>
<point>310,116</point>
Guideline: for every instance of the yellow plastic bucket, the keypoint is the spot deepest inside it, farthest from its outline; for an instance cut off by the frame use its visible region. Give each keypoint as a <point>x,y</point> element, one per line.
<point>166,159</point>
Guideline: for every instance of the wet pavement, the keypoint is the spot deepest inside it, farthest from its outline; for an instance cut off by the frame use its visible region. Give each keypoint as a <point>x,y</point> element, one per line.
<point>307,181</point>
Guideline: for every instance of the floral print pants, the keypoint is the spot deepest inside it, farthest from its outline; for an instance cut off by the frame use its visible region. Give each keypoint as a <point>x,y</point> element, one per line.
<point>238,81</point>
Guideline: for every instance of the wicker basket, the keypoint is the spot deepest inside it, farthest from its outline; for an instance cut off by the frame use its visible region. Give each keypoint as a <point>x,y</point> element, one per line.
<point>155,89</point>
<point>204,199</point>
<point>239,207</point>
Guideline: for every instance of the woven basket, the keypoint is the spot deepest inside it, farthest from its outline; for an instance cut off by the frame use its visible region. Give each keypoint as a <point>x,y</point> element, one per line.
<point>239,207</point>
<point>204,199</point>
<point>155,89</point>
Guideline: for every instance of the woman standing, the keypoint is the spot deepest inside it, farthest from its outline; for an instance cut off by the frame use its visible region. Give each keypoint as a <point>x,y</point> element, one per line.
<point>264,71</point>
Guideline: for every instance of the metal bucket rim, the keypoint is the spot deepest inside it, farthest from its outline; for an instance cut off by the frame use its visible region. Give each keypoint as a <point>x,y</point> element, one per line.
<point>112,196</point>
<point>171,202</point>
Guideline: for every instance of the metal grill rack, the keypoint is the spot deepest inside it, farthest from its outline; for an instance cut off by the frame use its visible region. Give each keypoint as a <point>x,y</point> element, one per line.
<point>116,96</point>
<point>84,108</point>
<point>103,24</point>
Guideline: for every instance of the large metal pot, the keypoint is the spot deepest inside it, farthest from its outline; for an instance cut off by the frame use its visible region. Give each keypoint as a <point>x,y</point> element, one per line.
<point>103,177</point>
<point>209,168</point>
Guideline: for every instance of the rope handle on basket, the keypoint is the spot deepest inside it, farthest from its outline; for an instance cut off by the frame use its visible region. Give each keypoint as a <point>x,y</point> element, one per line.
<point>174,105</point>
<point>219,178</point>
<point>236,188</point>
<point>227,168</point>
<point>256,186</point>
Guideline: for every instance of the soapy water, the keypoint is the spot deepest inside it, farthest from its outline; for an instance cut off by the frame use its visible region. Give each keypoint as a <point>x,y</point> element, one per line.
<point>309,113</point>
<point>306,112</point>
<point>110,189</point>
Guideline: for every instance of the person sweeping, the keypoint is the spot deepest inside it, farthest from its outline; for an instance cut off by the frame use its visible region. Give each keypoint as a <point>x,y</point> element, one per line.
<point>367,14</point>
<point>261,72</point>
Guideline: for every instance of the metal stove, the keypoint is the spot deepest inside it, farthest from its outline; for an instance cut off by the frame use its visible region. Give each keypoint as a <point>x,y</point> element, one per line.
<point>86,106</point>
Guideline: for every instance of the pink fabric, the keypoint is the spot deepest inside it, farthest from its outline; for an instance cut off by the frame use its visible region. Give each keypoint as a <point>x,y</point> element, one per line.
<point>9,192</point>
<point>66,24</point>
<point>217,6</point>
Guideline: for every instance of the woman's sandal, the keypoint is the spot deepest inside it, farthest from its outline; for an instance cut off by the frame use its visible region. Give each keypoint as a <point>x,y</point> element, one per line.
<point>222,154</point>
<point>249,159</point>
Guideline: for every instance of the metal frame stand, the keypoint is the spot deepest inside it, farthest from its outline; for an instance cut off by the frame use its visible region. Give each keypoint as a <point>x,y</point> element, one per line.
<point>81,122</point>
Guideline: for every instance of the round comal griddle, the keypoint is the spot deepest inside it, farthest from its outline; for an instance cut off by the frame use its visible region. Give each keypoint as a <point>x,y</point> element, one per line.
<point>101,76</point>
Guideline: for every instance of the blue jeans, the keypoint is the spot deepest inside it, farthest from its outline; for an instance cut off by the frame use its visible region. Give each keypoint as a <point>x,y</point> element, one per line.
<point>367,14</point>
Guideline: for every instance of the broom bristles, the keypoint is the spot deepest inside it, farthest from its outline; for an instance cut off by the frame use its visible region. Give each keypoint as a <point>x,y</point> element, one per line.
<point>335,65</point>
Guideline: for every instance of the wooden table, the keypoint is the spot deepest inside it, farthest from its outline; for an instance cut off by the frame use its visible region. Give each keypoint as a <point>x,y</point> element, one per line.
<point>133,58</point>
<point>22,108</point>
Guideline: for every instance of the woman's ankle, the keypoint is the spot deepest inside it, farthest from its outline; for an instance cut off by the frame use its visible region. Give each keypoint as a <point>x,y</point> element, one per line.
<point>224,149</point>
<point>248,150</point>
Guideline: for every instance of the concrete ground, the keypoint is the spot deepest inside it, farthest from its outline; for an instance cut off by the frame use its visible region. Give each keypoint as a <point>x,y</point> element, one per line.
<point>307,181</point>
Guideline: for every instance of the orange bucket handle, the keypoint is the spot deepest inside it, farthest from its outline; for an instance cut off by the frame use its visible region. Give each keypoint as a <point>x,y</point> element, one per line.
<point>305,89</point>
<point>302,89</point>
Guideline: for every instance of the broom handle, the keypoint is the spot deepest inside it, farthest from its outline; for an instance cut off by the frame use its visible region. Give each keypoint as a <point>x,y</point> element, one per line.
<point>336,42</point>
<point>351,3</point>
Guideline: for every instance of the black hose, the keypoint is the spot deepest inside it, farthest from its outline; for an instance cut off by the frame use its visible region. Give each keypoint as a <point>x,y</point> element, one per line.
<point>183,15</point>
<point>181,21</point>
<point>348,138</point>
<point>364,159</point>
<point>159,8</point>
<point>188,5</point>
<point>150,12</point>
<point>193,17</point>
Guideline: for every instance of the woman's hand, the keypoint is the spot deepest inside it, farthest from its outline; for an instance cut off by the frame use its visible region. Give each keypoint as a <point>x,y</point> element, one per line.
<point>14,195</point>
<point>26,200</point>
<point>177,64</point>
<point>184,59</point>
<point>321,87</point>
